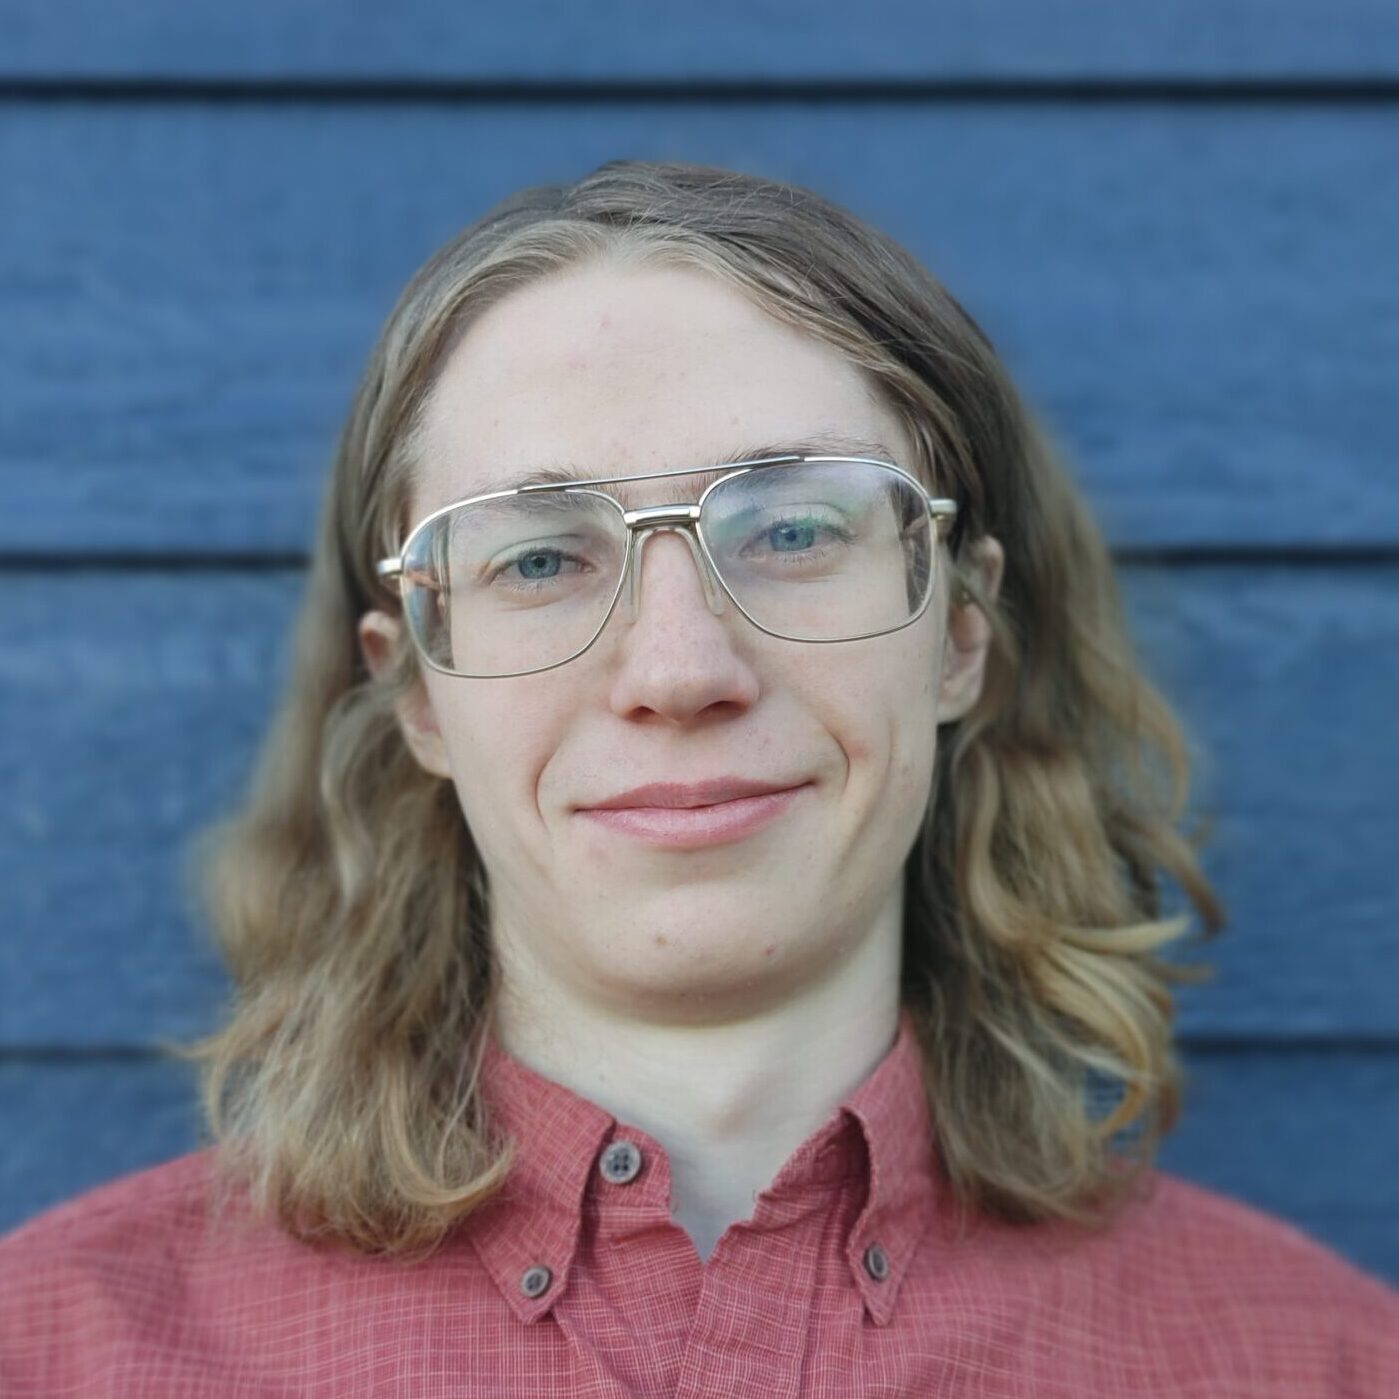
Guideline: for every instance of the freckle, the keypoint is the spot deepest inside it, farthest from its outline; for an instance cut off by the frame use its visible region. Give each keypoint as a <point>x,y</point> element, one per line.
<point>661,940</point>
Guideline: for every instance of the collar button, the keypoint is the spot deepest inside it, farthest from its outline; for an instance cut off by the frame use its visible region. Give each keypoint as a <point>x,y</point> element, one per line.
<point>876,1263</point>
<point>620,1162</point>
<point>536,1280</point>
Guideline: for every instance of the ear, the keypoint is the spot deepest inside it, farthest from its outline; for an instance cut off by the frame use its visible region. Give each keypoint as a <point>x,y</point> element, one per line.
<point>968,640</point>
<point>380,636</point>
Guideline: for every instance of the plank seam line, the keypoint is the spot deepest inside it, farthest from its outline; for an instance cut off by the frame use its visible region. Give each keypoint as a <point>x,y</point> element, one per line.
<point>1363,88</point>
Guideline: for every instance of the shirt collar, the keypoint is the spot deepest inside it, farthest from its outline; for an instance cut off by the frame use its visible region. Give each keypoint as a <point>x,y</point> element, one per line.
<point>881,1134</point>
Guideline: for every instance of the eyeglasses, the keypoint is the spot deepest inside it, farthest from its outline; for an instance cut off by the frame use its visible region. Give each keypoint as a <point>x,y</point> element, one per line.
<point>807,548</point>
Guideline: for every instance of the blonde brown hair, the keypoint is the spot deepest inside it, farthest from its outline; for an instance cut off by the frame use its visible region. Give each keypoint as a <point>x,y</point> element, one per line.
<point>349,900</point>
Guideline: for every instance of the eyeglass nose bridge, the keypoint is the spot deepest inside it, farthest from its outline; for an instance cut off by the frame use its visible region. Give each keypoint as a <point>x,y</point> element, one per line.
<point>653,519</point>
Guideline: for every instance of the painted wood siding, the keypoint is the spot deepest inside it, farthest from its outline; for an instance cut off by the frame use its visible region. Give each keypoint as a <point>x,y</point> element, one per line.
<point>1178,223</point>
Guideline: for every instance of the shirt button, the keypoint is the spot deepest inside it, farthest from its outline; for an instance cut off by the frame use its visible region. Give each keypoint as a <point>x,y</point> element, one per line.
<point>876,1263</point>
<point>535,1280</point>
<point>620,1162</point>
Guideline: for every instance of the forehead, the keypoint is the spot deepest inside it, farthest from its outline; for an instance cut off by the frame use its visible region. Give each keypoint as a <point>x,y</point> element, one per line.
<point>605,371</point>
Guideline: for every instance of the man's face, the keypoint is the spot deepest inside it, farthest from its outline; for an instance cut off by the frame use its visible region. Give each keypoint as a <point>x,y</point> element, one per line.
<point>627,370</point>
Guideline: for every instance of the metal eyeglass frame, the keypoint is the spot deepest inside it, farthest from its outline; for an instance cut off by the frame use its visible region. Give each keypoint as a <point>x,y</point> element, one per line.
<point>682,519</point>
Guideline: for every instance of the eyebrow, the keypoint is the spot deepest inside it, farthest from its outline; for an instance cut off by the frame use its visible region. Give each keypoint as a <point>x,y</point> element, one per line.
<point>814,445</point>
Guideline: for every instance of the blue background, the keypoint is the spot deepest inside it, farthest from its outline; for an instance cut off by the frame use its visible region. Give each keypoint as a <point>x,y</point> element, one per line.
<point>1177,222</point>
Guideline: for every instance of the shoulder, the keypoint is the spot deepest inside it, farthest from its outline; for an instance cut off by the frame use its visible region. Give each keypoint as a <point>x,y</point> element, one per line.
<point>1226,1268</point>
<point>151,1276</point>
<point>1227,1244</point>
<point>124,1226</point>
<point>128,1224</point>
<point>78,1280</point>
<point>1191,1255</point>
<point>1205,1292</point>
<point>129,1209</point>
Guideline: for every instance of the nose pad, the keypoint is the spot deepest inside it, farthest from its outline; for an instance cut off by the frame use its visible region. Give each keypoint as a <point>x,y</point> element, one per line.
<point>713,594</point>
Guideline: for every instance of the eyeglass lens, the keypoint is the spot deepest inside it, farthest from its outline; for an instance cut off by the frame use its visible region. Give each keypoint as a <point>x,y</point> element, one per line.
<point>812,551</point>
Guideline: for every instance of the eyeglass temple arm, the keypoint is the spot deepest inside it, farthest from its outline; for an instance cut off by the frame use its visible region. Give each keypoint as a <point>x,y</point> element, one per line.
<point>393,574</point>
<point>391,571</point>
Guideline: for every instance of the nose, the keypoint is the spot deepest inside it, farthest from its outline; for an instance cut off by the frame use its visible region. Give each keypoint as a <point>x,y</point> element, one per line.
<point>713,594</point>
<point>676,657</point>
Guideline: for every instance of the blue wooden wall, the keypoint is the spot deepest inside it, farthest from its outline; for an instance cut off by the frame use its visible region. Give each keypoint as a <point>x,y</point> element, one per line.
<point>1178,221</point>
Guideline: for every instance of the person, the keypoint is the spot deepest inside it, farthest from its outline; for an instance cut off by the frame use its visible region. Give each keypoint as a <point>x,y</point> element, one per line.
<point>696,921</point>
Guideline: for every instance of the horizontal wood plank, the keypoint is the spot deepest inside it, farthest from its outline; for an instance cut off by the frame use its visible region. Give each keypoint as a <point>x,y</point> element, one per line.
<point>627,40</point>
<point>1310,1138</point>
<point>131,704</point>
<point>1199,300</point>
<point>74,1123</point>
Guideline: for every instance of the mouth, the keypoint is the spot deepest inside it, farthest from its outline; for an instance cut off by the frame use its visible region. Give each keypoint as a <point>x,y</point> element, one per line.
<point>691,816</point>
<point>714,791</point>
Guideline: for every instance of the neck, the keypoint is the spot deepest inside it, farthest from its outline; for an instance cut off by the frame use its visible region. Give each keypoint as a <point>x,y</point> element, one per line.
<point>731,1099</point>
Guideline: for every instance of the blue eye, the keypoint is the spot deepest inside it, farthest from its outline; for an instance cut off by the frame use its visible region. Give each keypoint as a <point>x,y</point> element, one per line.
<point>542,563</point>
<point>791,536</point>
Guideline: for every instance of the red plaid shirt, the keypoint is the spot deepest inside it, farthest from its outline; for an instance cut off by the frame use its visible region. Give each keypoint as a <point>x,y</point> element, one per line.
<point>846,1281</point>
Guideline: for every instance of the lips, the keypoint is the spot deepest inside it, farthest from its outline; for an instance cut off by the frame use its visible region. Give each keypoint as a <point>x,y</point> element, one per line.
<point>693,815</point>
<point>676,795</point>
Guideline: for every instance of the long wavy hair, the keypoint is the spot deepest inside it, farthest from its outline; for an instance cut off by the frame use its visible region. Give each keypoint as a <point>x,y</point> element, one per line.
<point>348,897</point>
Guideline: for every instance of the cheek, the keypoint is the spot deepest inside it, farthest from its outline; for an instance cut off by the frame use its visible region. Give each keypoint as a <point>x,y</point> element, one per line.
<point>497,741</point>
<point>882,712</point>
